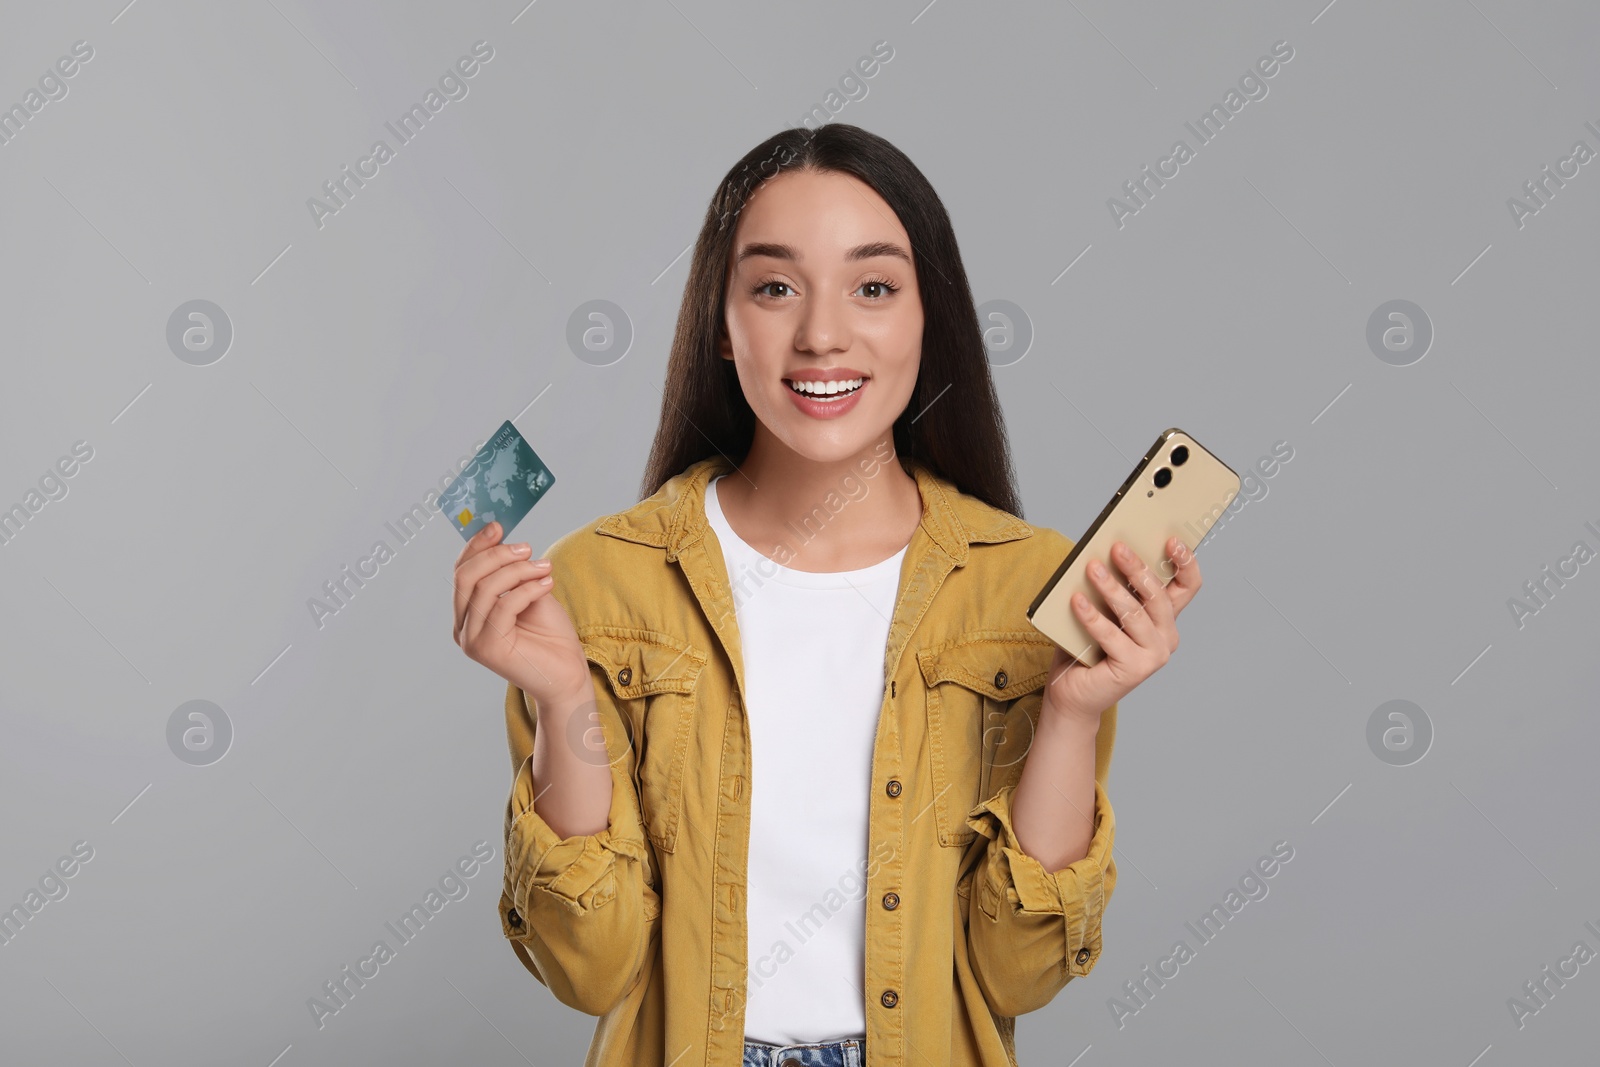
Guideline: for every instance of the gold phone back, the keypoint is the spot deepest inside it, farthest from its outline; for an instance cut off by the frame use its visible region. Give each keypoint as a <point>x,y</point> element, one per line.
<point>1144,517</point>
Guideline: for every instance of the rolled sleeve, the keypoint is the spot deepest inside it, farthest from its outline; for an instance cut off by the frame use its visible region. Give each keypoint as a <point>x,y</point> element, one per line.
<point>1031,930</point>
<point>577,910</point>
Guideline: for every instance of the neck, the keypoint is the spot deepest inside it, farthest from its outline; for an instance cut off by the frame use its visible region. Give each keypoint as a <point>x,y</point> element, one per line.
<point>822,516</point>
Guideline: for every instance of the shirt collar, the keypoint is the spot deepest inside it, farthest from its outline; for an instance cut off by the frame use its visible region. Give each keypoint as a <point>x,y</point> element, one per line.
<point>674,516</point>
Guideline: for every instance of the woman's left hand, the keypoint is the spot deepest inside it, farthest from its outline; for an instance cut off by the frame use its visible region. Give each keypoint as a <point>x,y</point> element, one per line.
<point>1136,645</point>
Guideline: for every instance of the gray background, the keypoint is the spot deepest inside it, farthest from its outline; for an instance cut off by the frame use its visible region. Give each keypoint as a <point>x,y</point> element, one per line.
<point>371,353</point>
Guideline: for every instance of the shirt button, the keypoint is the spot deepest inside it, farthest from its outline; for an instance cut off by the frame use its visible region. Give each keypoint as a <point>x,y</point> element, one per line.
<point>1082,956</point>
<point>891,901</point>
<point>1000,679</point>
<point>890,998</point>
<point>893,788</point>
<point>513,918</point>
<point>625,676</point>
<point>790,1061</point>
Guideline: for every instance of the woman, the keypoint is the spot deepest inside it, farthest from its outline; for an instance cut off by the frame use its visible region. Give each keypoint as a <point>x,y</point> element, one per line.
<point>768,725</point>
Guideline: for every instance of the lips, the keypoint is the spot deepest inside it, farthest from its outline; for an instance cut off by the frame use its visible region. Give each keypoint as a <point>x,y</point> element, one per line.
<point>824,374</point>
<point>824,382</point>
<point>826,390</point>
<point>826,394</point>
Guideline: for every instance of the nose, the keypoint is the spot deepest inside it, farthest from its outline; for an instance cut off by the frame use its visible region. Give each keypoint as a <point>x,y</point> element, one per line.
<point>824,326</point>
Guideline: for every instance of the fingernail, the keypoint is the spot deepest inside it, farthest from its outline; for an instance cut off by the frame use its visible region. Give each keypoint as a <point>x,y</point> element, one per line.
<point>520,549</point>
<point>1096,568</point>
<point>546,580</point>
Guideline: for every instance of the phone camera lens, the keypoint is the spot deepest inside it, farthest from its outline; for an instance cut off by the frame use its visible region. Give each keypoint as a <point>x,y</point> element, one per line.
<point>1179,455</point>
<point>1163,478</point>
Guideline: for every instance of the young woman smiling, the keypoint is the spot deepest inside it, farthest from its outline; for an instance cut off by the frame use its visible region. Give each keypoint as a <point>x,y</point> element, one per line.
<point>857,813</point>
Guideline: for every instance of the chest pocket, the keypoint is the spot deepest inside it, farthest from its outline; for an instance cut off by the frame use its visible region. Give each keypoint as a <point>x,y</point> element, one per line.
<point>651,676</point>
<point>983,697</point>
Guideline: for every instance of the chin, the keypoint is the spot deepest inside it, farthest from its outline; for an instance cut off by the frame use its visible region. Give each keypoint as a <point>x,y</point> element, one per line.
<point>828,448</point>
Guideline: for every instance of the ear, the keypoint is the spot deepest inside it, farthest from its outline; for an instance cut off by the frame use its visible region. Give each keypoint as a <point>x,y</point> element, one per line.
<point>724,344</point>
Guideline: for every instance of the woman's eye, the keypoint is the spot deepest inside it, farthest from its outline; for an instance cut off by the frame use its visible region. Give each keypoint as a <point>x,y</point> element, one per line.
<point>875,290</point>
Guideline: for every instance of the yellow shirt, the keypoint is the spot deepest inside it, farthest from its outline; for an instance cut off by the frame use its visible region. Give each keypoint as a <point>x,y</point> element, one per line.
<point>643,923</point>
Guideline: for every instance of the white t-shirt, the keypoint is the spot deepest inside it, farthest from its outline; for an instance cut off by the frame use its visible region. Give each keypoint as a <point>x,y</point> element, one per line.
<point>813,665</point>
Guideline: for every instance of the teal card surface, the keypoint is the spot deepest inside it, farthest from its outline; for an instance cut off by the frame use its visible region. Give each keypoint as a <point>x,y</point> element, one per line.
<point>501,484</point>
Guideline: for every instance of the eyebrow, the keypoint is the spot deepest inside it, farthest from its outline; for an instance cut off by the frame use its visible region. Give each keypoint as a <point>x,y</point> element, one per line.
<point>781,251</point>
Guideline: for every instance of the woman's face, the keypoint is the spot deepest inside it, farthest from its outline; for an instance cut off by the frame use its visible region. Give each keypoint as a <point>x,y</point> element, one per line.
<point>822,291</point>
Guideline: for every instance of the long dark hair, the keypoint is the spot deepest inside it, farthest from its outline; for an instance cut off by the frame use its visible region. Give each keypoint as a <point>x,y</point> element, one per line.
<point>960,437</point>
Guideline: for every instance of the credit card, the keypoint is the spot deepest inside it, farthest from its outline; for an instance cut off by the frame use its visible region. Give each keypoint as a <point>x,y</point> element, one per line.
<point>501,484</point>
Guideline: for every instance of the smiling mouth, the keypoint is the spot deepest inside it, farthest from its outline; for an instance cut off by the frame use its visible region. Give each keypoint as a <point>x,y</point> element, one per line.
<point>825,392</point>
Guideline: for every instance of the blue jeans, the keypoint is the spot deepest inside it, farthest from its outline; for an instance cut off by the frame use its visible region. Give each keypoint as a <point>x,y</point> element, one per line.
<point>851,1052</point>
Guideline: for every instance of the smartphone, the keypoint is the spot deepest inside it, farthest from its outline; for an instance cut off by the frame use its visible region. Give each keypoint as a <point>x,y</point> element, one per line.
<point>1178,489</point>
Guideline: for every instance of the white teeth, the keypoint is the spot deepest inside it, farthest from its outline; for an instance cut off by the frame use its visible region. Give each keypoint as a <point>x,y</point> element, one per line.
<point>849,385</point>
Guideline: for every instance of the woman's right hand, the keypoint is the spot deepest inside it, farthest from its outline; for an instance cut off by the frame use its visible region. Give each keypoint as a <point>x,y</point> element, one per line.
<point>506,620</point>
